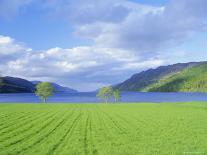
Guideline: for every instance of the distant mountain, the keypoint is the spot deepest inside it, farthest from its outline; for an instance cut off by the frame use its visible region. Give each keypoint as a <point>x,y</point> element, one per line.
<point>58,88</point>
<point>16,85</point>
<point>19,85</point>
<point>151,79</point>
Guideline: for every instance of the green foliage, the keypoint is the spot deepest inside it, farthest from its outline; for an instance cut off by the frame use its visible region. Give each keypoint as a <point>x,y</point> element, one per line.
<point>105,93</point>
<point>143,129</point>
<point>44,90</point>
<point>189,80</point>
<point>117,95</point>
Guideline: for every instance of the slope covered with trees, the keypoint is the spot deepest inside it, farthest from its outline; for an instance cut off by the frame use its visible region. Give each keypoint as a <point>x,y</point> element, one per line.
<point>183,77</point>
<point>192,79</point>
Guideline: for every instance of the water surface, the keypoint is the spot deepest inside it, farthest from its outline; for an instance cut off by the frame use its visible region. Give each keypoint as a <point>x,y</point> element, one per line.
<point>91,97</point>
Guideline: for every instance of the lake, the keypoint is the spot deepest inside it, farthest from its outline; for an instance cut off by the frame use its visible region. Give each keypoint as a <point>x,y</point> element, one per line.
<point>91,97</point>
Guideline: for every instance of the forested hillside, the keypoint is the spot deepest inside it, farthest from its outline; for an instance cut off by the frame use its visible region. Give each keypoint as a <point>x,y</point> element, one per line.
<point>189,80</point>
<point>173,78</point>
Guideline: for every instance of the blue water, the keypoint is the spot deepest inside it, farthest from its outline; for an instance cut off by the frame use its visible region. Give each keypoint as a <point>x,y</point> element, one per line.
<point>91,97</point>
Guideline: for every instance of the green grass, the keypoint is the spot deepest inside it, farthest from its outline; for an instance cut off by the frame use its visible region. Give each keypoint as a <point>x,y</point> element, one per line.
<point>115,129</point>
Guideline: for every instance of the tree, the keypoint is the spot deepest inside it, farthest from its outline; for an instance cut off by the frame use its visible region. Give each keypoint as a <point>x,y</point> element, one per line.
<point>105,93</point>
<point>44,90</point>
<point>117,95</point>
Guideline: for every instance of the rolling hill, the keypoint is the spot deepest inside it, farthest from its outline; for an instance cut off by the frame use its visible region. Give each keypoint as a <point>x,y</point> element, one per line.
<point>16,85</point>
<point>58,88</point>
<point>19,85</point>
<point>172,78</point>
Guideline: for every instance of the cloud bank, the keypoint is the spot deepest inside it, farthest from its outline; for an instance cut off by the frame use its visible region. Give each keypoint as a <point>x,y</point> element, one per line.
<point>128,37</point>
<point>93,65</point>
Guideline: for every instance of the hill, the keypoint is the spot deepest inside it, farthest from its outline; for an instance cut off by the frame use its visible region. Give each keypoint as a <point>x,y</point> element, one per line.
<point>19,85</point>
<point>189,80</point>
<point>58,88</point>
<point>151,79</point>
<point>16,85</point>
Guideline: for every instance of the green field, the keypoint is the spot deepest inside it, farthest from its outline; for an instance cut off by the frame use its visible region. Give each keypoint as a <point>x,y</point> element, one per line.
<point>113,129</point>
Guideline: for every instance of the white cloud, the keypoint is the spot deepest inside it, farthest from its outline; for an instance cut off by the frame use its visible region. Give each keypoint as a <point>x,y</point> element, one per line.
<point>5,40</point>
<point>151,63</point>
<point>8,46</point>
<point>74,66</point>
<point>144,29</point>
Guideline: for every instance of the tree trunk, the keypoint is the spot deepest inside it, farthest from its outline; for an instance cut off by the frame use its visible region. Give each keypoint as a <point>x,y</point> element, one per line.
<point>44,100</point>
<point>106,100</point>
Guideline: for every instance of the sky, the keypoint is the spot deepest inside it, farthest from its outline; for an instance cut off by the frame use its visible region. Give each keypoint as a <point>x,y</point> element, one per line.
<point>88,44</point>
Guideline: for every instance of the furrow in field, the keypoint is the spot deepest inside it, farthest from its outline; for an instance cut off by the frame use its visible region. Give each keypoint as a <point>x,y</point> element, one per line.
<point>137,121</point>
<point>107,127</point>
<point>29,135</point>
<point>10,123</point>
<point>133,128</point>
<point>131,125</point>
<point>45,136</point>
<point>3,115</point>
<point>86,137</point>
<point>94,150</point>
<point>48,143</point>
<point>4,118</point>
<point>114,138</point>
<point>28,126</point>
<point>64,137</point>
<point>19,124</point>
<point>75,137</point>
<point>44,145</point>
<point>115,123</point>
<point>87,133</point>
<point>105,135</point>
<point>103,124</point>
<point>13,115</point>
<point>14,118</point>
<point>8,115</point>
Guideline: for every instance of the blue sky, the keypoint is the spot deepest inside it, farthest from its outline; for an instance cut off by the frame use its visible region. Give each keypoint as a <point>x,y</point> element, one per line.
<point>34,23</point>
<point>87,44</point>
<point>152,2</point>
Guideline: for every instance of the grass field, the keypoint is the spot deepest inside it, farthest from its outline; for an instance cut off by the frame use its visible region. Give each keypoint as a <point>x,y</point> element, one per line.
<point>116,129</point>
